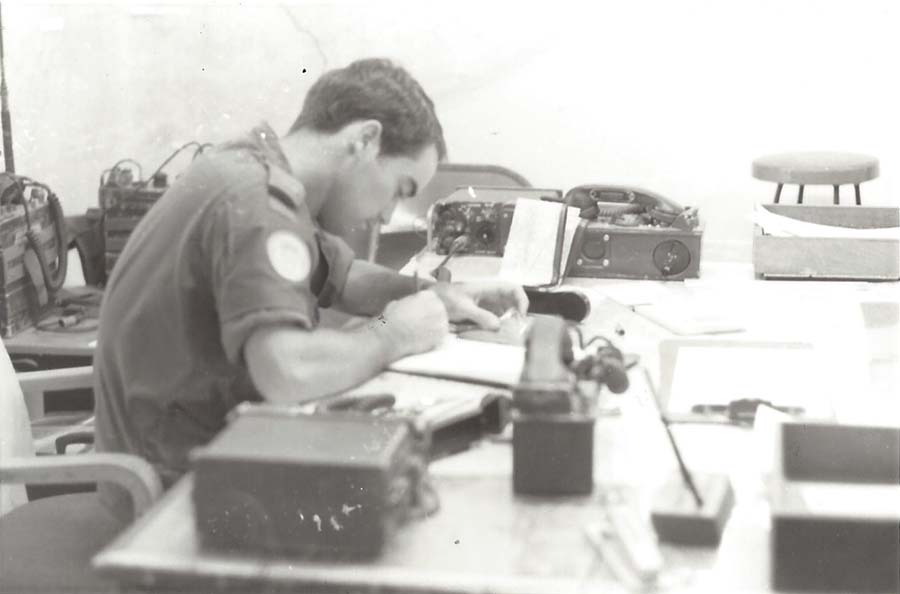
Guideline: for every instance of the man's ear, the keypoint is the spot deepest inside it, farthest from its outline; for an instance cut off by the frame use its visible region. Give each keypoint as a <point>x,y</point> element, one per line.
<point>367,139</point>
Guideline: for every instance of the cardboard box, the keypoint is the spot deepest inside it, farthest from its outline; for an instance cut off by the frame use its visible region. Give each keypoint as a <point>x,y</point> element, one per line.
<point>835,504</point>
<point>838,258</point>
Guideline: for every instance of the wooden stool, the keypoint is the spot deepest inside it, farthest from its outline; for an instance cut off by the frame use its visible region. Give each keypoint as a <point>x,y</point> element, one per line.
<point>816,168</point>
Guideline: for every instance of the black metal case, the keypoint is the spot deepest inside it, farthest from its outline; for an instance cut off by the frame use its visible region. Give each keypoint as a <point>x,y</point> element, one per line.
<point>329,486</point>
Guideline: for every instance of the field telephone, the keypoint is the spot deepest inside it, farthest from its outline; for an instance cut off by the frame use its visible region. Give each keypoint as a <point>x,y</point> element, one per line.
<point>553,429</point>
<point>34,251</point>
<point>628,232</point>
<point>622,232</point>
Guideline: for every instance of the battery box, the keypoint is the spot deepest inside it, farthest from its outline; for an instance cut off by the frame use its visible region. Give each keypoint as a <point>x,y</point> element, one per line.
<point>308,486</point>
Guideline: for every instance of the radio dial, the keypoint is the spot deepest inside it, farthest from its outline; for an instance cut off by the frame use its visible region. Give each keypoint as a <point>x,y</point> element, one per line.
<point>484,233</point>
<point>671,257</point>
<point>595,250</point>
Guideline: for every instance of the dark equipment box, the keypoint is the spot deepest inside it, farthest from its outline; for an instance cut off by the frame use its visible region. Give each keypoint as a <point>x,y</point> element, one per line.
<point>124,203</point>
<point>308,486</point>
<point>835,504</point>
<point>20,305</point>
<point>611,251</point>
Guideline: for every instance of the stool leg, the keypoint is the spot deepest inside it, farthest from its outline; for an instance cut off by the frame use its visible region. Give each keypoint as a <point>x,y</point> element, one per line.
<point>858,200</point>
<point>837,195</point>
<point>800,195</point>
<point>778,192</point>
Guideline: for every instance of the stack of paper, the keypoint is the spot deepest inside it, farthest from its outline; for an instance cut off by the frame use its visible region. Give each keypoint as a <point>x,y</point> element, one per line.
<point>782,226</point>
<point>530,257</point>
<point>468,360</point>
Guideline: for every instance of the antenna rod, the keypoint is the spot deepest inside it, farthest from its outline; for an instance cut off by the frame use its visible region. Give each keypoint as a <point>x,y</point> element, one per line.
<point>5,120</point>
<point>682,467</point>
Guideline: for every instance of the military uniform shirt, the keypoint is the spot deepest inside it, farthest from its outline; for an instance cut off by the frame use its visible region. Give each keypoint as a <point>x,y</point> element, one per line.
<point>229,248</point>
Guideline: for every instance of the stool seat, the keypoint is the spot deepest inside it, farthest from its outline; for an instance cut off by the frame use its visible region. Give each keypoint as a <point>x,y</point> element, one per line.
<point>812,168</point>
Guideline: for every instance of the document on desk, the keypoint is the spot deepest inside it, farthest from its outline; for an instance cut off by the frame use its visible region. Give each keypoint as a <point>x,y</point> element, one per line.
<point>437,402</point>
<point>686,318</point>
<point>785,374</point>
<point>469,361</point>
<point>529,257</point>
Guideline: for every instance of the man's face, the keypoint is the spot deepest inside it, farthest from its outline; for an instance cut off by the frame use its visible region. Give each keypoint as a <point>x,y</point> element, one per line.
<point>370,188</point>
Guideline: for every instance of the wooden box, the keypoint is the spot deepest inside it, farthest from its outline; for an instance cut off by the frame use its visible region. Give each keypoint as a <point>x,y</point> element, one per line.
<point>839,258</point>
<point>835,508</point>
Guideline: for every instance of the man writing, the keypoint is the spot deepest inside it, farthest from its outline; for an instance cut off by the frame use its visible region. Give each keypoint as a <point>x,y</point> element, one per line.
<point>215,298</point>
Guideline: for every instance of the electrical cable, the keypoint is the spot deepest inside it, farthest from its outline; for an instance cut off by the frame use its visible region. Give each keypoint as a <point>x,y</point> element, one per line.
<point>177,151</point>
<point>52,280</point>
<point>104,180</point>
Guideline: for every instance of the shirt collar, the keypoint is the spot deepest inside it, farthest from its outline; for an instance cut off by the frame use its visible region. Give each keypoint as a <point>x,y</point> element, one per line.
<point>266,141</point>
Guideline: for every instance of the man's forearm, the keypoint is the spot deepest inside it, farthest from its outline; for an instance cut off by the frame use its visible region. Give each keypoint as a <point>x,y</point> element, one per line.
<point>371,286</point>
<point>292,365</point>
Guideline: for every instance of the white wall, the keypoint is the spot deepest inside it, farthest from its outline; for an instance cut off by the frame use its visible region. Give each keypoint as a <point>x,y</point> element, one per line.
<point>677,97</point>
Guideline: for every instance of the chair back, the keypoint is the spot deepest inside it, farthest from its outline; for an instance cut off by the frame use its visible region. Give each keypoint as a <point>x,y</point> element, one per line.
<point>15,429</point>
<point>450,176</point>
<point>364,240</point>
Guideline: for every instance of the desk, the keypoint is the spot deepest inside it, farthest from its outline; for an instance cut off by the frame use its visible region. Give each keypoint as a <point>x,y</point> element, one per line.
<point>77,342</point>
<point>50,349</point>
<point>502,543</point>
<point>485,539</point>
<point>34,342</point>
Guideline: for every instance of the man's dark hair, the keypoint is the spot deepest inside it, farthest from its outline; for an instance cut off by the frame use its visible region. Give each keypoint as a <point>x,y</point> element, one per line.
<point>374,89</point>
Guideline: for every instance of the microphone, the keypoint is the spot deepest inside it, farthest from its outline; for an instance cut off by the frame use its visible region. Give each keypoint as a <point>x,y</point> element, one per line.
<point>441,273</point>
<point>606,365</point>
<point>612,370</point>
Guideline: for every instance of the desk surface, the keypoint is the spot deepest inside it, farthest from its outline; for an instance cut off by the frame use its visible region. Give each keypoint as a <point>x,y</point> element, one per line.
<point>484,539</point>
<point>77,341</point>
<point>41,342</point>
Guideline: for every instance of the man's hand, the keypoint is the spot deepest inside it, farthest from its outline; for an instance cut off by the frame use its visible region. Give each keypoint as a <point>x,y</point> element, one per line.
<point>480,302</point>
<point>413,324</point>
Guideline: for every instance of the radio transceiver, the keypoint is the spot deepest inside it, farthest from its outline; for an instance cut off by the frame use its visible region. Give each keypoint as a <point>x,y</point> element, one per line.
<point>623,232</point>
<point>33,252</point>
<point>481,214</point>
<point>323,486</point>
<point>125,196</point>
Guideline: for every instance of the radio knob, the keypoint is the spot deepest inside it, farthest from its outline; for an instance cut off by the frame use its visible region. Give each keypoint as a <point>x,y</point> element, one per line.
<point>671,257</point>
<point>447,240</point>
<point>595,250</point>
<point>485,233</point>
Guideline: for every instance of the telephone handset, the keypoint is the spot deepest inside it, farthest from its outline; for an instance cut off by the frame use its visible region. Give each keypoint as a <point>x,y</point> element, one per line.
<point>20,190</point>
<point>631,207</point>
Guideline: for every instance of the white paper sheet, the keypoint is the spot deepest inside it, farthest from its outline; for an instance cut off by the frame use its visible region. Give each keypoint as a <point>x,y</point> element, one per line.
<point>467,360</point>
<point>855,500</point>
<point>789,376</point>
<point>685,319</point>
<point>528,257</point>
<point>782,226</point>
<point>437,401</point>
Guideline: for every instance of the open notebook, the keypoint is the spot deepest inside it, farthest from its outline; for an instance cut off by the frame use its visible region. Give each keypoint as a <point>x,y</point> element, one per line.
<point>540,239</point>
<point>468,360</point>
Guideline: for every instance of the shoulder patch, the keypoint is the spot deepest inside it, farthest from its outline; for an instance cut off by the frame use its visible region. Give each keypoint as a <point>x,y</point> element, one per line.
<point>285,187</point>
<point>289,256</point>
